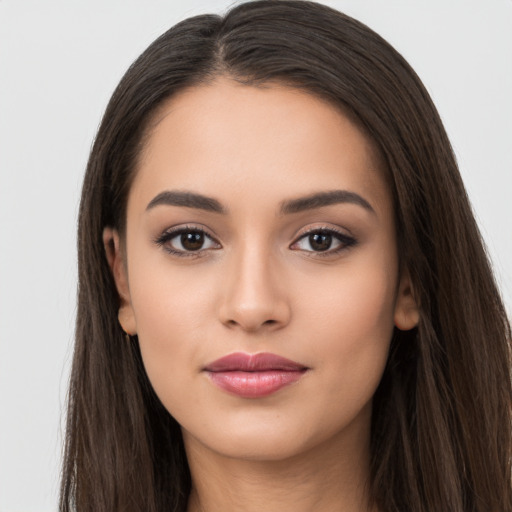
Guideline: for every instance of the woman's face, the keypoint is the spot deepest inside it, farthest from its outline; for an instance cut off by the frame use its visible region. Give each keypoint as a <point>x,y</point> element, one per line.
<point>259,223</point>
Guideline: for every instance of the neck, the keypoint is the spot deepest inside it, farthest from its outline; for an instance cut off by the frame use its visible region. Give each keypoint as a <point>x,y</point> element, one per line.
<point>324,479</point>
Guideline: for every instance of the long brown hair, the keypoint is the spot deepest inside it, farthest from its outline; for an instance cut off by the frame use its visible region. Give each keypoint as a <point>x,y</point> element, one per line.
<point>442,421</point>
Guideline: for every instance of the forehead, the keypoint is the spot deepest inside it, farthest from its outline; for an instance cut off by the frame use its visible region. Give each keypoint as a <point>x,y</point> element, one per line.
<point>236,141</point>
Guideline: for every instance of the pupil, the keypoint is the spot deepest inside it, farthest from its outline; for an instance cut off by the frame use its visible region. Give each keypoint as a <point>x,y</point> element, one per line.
<point>192,241</point>
<point>320,241</point>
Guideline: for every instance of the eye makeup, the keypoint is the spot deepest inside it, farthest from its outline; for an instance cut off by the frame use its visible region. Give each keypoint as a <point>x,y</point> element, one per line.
<point>194,241</point>
<point>321,241</point>
<point>187,241</point>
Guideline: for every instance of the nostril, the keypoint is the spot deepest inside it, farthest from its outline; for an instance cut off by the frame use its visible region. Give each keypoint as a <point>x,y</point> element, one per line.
<point>254,312</point>
<point>251,324</point>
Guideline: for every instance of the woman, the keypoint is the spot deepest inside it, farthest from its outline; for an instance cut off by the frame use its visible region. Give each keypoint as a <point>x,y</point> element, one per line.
<point>284,302</point>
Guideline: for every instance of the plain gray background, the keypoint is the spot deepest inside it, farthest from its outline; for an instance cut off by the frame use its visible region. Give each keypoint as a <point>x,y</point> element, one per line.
<point>59,63</point>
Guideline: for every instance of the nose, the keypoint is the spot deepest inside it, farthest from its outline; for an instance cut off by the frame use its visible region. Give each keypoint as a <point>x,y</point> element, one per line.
<point>254,294</point>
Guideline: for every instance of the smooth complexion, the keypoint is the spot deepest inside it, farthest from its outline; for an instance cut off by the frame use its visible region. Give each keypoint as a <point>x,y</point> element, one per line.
<point>226,252</point>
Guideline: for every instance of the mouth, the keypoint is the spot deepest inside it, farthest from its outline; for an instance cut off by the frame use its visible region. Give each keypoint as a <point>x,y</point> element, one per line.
<point>254,375</point>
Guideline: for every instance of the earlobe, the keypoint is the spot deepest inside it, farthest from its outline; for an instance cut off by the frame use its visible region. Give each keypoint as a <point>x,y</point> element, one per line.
<point>407,314</point>
<point>116,262</point>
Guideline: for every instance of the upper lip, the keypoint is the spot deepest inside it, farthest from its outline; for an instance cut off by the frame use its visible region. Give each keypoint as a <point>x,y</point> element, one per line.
<point>263,361</point>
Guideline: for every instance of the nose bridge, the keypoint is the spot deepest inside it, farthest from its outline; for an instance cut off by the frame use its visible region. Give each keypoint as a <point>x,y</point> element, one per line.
<point>254,298</point>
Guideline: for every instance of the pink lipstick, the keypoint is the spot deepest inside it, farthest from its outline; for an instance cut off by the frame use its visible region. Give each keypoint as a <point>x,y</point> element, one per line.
<point>254,375</point>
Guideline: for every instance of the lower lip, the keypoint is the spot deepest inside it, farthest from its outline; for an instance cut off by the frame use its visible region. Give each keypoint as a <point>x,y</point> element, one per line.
<point>255,384</point>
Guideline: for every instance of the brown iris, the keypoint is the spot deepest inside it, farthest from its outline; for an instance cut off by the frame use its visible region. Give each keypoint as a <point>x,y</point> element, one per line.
<point>320,241</point>
<point>192,241</point>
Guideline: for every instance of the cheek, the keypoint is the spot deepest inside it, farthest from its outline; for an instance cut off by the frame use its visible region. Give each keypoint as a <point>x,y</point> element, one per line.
<point>354,326</point>
<point>171,307</point>
<point>355,299</point>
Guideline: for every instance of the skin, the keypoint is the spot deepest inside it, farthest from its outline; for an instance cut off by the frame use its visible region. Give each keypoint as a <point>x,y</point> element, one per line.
<point>259,285</point>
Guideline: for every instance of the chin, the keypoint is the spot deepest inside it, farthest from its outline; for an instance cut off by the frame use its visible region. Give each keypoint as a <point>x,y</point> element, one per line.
<point>261,440</point>
<point>261,446</point>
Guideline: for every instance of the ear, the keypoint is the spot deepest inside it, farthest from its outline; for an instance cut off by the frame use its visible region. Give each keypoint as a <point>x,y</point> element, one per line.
<point>407,314</point>
<point>117,265</point>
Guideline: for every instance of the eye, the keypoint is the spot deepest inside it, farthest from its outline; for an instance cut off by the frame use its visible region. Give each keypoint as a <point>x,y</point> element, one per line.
<point>186,241</point>
<point>325,240</point>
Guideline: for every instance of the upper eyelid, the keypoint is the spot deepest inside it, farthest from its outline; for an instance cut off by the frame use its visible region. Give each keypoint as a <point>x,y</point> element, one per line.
<point>176,230</point>
<point>327,229</point>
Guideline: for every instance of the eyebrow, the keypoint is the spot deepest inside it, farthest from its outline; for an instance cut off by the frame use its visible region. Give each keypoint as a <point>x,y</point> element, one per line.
<point>311,202</point>
<point>187,199</point>
<point>321,199</point>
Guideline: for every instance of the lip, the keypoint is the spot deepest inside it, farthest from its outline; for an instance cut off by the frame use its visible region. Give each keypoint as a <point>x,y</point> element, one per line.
<point>254,375</point>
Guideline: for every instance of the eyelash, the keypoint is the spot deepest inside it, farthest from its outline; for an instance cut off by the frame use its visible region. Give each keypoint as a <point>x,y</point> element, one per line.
<point>163,240</point>
<point>345,240</point>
